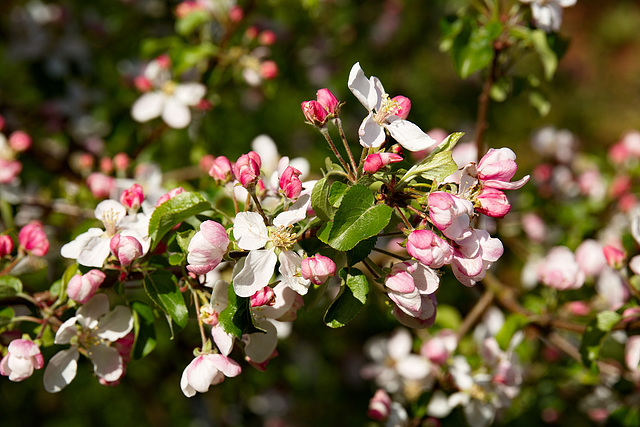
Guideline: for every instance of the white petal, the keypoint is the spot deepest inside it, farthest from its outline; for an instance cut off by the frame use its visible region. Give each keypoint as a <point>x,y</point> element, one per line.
<point>176,114</point>
<point>94,309</point>
<point>115,324</point>
<point>260,345</point>
<point>296,212</point>
<point>285,297</point>
<point>148,106</point>
<point>95,251</point>
<point>371,133</point>
<point>266,148</point>
<point>61,370</point>
<point>256,273</point>
<point>66,331</point>
<point>189,93</point>
<point>74,248</point>
<point>223,341</point>
<point>413,367</point>
<point>399,344</point>
<point>290,269</point>
<point>250,231</point>
<point>107,362</point>
<point>110,209</point>
<point>362,87</point>
<point>408,134</point>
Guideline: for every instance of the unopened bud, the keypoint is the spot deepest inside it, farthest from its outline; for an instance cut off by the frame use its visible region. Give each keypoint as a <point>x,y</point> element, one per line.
<point>132,197</point>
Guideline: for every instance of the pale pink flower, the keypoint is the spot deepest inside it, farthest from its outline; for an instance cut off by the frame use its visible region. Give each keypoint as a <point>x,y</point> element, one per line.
<point>534,227</point>
<point>207,247</point>
<point>474,255</point>
<point>125,248</point>
<point>121,161</point>
<point>6,245</point>
<point>547,14</point>
<point>632,355</point>
<point>438,348</point>
<point>612,288</point>
<point>376,161</point>
<point>450,214</point>
<point>9,169</point>
<point>493,203</point>
<point>590,257</point>
<point>406,285</point>
<point>290,183</point>
<point>385,113</point>
<point>221,170</point>
<point>33,239</point>
<point>19,141</point>
<point>82,287</point>
<point>170,195</point>
<point>429,249</point>
<point>23,356</point>
<point>100,185</point>
<point>379,405</point>
<point>207,370</point>
<point>318,269</point>
<point>560,270</point>
<point>497,168</point>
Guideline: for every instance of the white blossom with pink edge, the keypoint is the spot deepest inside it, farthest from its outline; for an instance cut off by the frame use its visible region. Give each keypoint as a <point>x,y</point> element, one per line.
<point>207,247</point>
<point>560,270</point>
<point>207,370</point>
<point>384,113</point>
<point>547,14</point>
<point>23,356</point>
<point>408,285</point>
<point>94,328</point>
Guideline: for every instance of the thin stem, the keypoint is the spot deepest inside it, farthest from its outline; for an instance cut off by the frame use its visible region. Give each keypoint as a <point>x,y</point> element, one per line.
<point>259,208</point>
<point>418,212</point>
<point>403,217</point>
<point>338,124</point>
<point>363,156</point>
<point>391,254</point>
<point>203,335</point>
<point>476,312</point>
<point>325,132</point>
<point>372,267</point>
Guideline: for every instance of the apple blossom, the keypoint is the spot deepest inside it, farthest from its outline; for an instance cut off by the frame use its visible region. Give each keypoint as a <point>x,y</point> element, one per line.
<point>547,14</point>
<point>100,185</point>
<point>450,214</point>
<point>497,168</point>
<point>318,269</point>
<point>221,170</point>
<point>614,256</point>
<point>33,239</point>
<point>125,248</point>
<point>384,113</point>
<point>95,329</point>
<point>493,203</point>
<point>380,405</point>
<point>207,247</point>
<point>264,296</point>
<point>328,100</point>
<point>406,285</point>
<point>429,249</point>
<point>247,169</point>
<point>23,356</point>
<point>590,257</point>
<point>560,270</point>
<point>9,170</point>
<point>121,161</point>
<point>170,195</point>
<point>82,287</point>
<point>207,370</point>
<point>290,183</point>
<point>438,348</point>
<point>6,245</point>
<point>132,198</point>
<point>474,255</point>
<point>19,141</point>
<point>314,112</point>
<point>376,161</point>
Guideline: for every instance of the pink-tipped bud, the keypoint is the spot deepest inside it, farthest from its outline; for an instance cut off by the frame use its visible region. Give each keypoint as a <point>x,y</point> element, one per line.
<point>328,101</point>
<point>290,183</point>
<point>314,112</point>
<point>170,195</point>
<point>132,198</point>
<point>220,170</point>
<point>403,106</point>
<point>23,356</point>
<point>376,161</point>
<point>269,70</point>
<point>33,239</point>
<point>429,249</point>
<point>85,162</point>
<point>267,38</point>
<point>82,287</point>
<point>379,406</point>
<point>6,245</point>
<point>615,257</point>
<point>247,169</point>
<point>125,248</point>
<point>236,14</point>
<point>493,203</point>
<point>100,185</point>
<point>206,162</point>
<point>318,269</point>
<point>264,296</point>
<point>121,161</point>
<point>142,83</point>
<point>19,141</point>
<point>164,61</point>
<point>106,165</point>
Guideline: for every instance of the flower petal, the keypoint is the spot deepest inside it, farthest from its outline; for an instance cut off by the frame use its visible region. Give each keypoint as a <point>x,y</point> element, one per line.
<point>371,133</point>
<point>148,106</point>
<point>107,362</point>
<point>249,231</point>
<point>61,370</point>
<point>362,87</point>
<point>189,93</point>
<point>260,345</point>
<point>176,114</point>
<point>256,273</point>
<point>115,324</point>
<point>95,308</point>
<point>408,134</point>
<point>296,212</point>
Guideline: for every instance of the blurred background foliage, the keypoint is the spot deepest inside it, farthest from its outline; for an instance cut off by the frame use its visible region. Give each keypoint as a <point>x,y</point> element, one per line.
<point>67,80</point>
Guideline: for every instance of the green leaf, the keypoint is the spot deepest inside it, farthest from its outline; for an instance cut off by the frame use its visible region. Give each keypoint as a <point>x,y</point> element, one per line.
<point>448,317</point>
<point>190,22</point>
<point>472,45</point>
<point>162,288</point>
<point>352,297</point>
<point>438,165</point>
<point>547,56</point>
<point>336,193</point>
<point>512,324</point>
<point>595,334</point>
<point>6,316</point>
<point>183,238</point>
<point>540,102</point>
<point>237,319</point>
<point>320,196</point>
<point>144,329</point>
<point>361,250</point>
<point>357,219</point>
<point>174,211</point>
<point>191,56</point>
<point>10,286</point>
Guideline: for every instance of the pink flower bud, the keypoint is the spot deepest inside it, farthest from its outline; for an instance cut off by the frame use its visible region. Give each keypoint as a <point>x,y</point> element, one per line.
<point>22,358</point>
<point>106,165</point>
<point>314,112</point>
<point>164,61</point>
<point>376,161</point>
<point>125,248</point>
<point>429,249</point>
<point>85,162</point>
<point>33,239</point>
<point>497,168</point>
<point>267,38</point>
<point>450,214</point>
<point>132,198</point>
<point>578,308</point>
<point>560,270</point>
<point>318,269</point>
<point>290,182</point>
<point>142,83</point>
<point>206,162</point>
<point>269,70</point>
<point>100,185</point>
<point>6,245</point>
<point>403,106</point>
<point>121,161</point>
<point>236,14</point>
<point>328,101</point>
<point>207,247</point>
<point>9,170</point>
<point>590,257</point>
<point>82,287</point>
<point>220,170</point>
<point>2,122</point>
<point>493,203</point>
<point>247,169</point>
<point>379,406</point>
<point>19,141</point>
<point>615,257</point>
<point>264,296</point>
<point>170,195</point>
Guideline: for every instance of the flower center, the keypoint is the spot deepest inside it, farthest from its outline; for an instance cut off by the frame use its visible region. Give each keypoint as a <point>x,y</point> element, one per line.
<point>388,107</point>
<point>282,238</point>
<point>110,219</point>
<point>169,87</point>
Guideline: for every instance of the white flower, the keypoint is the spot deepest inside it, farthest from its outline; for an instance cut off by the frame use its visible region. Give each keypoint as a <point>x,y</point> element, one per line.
<point>91,248</point>
<point>547,14</point>
<point>267,245</point>
<point>206,370</point>
<point>94,328</point>
<point>384,114</point>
